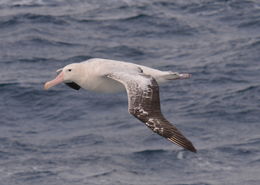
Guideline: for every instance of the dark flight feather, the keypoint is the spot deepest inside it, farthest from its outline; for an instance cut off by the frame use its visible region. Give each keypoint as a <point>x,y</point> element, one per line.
<point>144,104</point>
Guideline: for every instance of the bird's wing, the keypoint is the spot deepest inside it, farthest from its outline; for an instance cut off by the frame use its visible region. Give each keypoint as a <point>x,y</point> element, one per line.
<point>144,104</point>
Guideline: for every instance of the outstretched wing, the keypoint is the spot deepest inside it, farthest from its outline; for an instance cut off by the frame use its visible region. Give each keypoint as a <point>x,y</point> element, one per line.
<point>144,104</point>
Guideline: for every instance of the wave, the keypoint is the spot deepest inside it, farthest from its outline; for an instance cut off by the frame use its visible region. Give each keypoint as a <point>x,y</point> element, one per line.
<point>30,18</point>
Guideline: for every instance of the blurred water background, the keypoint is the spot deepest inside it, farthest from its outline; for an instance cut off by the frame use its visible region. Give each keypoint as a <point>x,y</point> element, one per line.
<point>64,137</point>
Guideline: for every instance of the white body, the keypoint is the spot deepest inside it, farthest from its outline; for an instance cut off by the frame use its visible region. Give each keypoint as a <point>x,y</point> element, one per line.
<point>92,74</point>
<point>98,68</point>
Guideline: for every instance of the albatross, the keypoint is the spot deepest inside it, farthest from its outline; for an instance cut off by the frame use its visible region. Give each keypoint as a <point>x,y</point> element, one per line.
<point>140,83</point>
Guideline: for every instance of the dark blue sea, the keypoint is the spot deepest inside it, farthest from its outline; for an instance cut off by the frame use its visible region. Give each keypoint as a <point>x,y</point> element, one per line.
<point>68,137</point>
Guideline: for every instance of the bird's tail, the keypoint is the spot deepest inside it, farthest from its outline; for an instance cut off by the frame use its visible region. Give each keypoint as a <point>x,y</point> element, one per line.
<point>170,75</point>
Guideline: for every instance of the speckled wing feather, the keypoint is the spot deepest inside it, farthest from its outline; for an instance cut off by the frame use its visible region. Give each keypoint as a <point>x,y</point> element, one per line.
<point>144,104</point>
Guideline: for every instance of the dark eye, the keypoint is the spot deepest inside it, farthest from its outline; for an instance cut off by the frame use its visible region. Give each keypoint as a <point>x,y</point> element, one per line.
<point>69,70</point>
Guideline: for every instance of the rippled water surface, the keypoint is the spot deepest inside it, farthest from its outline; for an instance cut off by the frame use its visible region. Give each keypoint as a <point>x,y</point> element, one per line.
<point>64,137</point>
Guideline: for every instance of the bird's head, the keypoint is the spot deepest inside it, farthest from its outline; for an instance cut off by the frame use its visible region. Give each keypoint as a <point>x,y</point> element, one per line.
<point>68,75</point>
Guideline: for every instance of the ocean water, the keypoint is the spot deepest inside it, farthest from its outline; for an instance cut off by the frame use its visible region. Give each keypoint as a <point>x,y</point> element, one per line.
<point>64,137</point>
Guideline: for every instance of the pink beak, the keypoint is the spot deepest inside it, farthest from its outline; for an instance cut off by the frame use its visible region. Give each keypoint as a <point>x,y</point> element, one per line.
<point>57,80</point>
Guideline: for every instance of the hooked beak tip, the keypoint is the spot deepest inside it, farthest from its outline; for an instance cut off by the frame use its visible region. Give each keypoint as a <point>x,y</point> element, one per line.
<point>46,86</point>
<point>57,80</point>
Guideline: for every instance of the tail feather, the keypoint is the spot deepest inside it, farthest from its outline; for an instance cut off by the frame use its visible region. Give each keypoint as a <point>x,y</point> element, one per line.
<point>175,76</point>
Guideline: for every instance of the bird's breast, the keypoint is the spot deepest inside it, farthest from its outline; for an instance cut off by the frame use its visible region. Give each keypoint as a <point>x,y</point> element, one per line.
<point>103,84</point>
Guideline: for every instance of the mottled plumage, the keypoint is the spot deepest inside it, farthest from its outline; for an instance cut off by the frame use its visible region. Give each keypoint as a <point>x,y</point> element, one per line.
<point>144,104</point>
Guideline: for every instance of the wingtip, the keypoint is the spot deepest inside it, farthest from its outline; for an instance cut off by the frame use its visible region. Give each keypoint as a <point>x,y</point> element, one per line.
<point>184,143</point>
<point>193,149</point>
<point>190,147</point>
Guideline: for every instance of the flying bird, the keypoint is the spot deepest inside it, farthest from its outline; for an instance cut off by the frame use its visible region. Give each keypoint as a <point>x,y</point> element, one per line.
<point>140,82</point>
